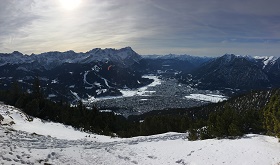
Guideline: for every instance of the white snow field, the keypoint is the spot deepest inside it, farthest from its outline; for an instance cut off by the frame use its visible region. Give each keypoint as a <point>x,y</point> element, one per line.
<point>143,91</point>
<point>207,97</point>
<point>58,144</point>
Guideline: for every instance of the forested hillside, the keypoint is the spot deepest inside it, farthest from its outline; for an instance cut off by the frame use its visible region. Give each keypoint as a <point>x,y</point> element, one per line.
<point>255,112</point>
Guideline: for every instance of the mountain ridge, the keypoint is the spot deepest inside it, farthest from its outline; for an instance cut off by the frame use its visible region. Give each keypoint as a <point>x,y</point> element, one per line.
<point>98,54</point>
<point>98,72</point>
<point>103,72</point>
<point>239,72</point>
<point>48,60</point>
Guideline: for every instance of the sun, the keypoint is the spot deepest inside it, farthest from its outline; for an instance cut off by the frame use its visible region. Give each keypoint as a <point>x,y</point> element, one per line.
<point>70,4</point>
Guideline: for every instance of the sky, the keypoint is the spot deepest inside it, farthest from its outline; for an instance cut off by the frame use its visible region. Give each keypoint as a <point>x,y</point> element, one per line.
<point>195,27</point>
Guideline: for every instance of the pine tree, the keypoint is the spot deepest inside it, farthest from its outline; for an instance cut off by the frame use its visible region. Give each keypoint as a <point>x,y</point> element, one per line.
<point>32,108</point>
<point>234,130</point>
<point>193,134</point>
<point>272,115</point>
<point>14,94</point>
<point>37,93</point>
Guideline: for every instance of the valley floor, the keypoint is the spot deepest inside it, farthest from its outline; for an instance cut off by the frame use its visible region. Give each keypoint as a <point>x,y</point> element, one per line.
<point>162,94</point>
<point>19,145</point>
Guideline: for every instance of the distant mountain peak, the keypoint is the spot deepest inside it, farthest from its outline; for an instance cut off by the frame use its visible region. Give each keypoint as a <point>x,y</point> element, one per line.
<point>17,53</point>
<point>228,57</point>
<point>237,56</point>
<point>112,49</point>
<point>123,57</point>
<point>127,48</point>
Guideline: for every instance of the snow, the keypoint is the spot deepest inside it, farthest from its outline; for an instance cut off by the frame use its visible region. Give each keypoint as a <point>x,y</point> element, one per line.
<point>108,111</point>
<point>93,99</point>
<point>23,122</point>
<point>85,78</point>
<point>266,60</point>
<point>99,91</point>
<point>75,95</point>
<point>54,81</point>
<point>105,110</point>
<point>143,91</point>
<point>72,86</point>
<point>207,97</point>
<point>51,95</point>
<point>269,60</point>
<point>97,84</point>
<point>64,145</point>
<point>50,60</point>
<point>106,82</point>
<point>96,68</point>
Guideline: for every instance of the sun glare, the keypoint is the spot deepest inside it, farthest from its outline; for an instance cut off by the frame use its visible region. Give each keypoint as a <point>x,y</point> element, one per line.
<point>70,4</point>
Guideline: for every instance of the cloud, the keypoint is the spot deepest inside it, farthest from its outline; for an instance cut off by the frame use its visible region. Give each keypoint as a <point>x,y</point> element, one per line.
<point>13,16</point>
<point>155,25</point>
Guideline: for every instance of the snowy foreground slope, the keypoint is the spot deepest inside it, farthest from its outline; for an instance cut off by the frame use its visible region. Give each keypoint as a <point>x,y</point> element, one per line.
<point>40,142</point>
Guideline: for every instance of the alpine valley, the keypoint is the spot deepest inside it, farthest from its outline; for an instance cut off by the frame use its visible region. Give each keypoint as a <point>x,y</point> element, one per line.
<point>109,106</point>
<point>127,83</point>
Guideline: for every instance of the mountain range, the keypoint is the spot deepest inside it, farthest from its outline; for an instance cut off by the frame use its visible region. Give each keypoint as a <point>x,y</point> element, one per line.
<point>237,72</point>
<point>103,72</point>
<point>26,139</point>
<point>71,76</point>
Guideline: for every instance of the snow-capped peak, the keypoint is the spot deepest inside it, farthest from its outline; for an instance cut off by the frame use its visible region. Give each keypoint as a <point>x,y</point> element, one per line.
<point>122,57</point>
<point>231,56</point>
<point>267,60</point>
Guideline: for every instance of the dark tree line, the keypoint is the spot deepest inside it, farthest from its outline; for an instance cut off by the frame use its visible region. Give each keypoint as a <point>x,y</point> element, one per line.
<point>34,104</point>
<point>222,120</point>
<point>272,116</point>
<point>228,123</point>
